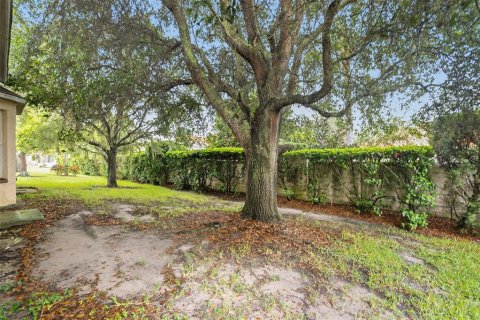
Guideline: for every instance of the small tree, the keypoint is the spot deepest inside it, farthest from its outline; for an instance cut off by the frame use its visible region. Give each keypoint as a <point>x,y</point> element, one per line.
<point>456,139</point>
<point>105,68</point>
<point>453,108</point>
<point>37,131</point>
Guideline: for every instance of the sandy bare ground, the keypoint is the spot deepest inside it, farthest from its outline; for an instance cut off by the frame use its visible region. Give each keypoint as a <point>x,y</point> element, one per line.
<point>131,264</point>
<point>112,259</point>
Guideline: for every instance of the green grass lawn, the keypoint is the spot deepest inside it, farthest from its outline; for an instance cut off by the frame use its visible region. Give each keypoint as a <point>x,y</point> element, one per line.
<point>445,285</point>
<point>92,190</point>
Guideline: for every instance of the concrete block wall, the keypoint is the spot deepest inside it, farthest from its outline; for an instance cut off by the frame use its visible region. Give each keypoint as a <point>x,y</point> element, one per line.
<point>335,190</point>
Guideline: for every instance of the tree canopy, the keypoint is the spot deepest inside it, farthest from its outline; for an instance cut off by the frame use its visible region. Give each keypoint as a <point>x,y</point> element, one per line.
<point>106,68</point>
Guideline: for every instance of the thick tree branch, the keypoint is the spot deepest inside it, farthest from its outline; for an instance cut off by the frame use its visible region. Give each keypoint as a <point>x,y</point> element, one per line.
<point>97,145</point>
<point>249,15</point>
<point>199,77</point>
<point>254,55</point>
<point>327,84</point>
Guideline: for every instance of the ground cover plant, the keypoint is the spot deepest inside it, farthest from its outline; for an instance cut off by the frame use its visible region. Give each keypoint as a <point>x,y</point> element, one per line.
<point>208,263</point>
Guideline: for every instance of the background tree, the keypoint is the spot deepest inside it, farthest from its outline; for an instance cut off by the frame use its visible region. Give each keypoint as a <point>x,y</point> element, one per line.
<point>314,131</point>
<point>221,135</point>
<point>453,109</point>
<point>252,59</point>
<point>105,66</point>
<point>37,131</point>
<point>393,132</point>
<point>456,139</point>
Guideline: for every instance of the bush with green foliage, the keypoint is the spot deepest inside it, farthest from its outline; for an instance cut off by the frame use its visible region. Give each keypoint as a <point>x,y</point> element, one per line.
<point>148,167</point>
<point>456,139</point>
<point>419,190</point>
<point>199,169</point>
<point>88,165</point>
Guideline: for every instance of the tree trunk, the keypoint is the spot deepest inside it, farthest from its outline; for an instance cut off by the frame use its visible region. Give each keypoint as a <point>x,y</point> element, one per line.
<point>112,169</point>
<point>474,200</point>
<point>22,157</point>
<point>65,164</point>
<point>261,160</point>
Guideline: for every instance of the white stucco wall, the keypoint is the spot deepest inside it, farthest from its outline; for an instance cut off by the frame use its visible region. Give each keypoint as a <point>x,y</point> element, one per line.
<point>8,190</point>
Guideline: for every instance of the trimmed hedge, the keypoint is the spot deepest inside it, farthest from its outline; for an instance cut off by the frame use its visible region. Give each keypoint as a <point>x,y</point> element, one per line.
<point>388,153</point>
<point>199,170</point>
<point>228,153</point>
<point>371,173</point>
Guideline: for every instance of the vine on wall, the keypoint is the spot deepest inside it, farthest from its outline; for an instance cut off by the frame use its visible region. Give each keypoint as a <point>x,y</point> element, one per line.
<point>369,172</point>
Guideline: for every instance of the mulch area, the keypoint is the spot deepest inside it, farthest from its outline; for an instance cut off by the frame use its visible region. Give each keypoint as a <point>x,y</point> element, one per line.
<point>229,230</point>
<point>437,226</point>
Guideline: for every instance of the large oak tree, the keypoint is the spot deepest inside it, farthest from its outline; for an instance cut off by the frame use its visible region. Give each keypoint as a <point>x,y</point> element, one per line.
<point>253,59</point>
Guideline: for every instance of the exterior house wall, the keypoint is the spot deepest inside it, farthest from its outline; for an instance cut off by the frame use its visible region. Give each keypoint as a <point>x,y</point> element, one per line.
<point>8,189</point>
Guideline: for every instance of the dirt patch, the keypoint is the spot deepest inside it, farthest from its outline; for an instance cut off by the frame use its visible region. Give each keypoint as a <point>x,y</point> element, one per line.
<point>344,300</point>
<point>127,213</point>
<point>113,259</point>
<point>205,265</point>
<point>411,259</point>
<point>267,291</point>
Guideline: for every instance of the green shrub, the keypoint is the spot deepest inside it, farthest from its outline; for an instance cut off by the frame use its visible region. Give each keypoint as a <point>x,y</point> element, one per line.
<point>322,199</point>
<point>418,189</point>
<point>364,206</point>
<point>414,220</point>
<point>198,170</point>
<point>289,194</point>
<point>149,166</point>
<point>88,165</point>
<point>74,169</point>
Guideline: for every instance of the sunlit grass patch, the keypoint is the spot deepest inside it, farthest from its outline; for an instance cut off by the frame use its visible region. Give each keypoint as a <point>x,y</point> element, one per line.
<point>92,191</point>
<point>444,284</point>
<point>456,279</point>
